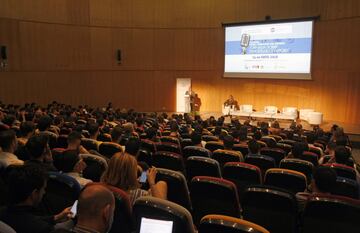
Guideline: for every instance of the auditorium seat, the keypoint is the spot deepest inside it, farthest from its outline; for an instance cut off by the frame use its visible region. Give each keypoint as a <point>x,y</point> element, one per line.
<point>170,139</point>
<point>178,191</point>
<point>287,148</point>
<point>196,151</point>
<point>225,224</point>
<point>272,208</point>
<point>95,166</point>
<point>286,179</point>
<point>305,167</point>
<point>270,141</point>
<point>148,145</point>
<point>224,156</point>
<point>275,153</point>
<point>151,208</point>
<point>261,161</point>
<point>104,137</point>
<point>202,166</point>
<point>346,187</point>
<point>89,144</point>
<point>242,175</point>
<point>311,157</point>
<point>343,170</point>
<point>210,195</point>
<point>331,214</point>
<point>168,160</point>
<point>288,142</point>
<point>184,142</point>
<point>209,138</point>
<point>168,146</point>
<point>243,148</point>
<point>212,146</point>
<point>61,192</point>
<point>108,149</point>
<point>123,221</point>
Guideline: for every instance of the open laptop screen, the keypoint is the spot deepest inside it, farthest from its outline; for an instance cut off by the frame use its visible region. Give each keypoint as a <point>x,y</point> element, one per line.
<point>149,225</point>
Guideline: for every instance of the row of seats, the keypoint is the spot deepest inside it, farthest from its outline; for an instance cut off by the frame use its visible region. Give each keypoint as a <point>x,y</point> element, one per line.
<point>272,208</point>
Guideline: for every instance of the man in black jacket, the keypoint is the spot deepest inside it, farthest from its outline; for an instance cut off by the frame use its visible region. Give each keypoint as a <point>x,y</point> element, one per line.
<point>26,188</point>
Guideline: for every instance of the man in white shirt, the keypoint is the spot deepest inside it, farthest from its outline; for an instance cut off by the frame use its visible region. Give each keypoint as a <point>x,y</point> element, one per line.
<point>8,144</point>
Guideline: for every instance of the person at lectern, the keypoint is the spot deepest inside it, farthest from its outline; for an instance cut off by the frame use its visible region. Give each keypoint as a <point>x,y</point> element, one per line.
<point>231,102</point>
<point>189,100</point>
<point>196,104</point>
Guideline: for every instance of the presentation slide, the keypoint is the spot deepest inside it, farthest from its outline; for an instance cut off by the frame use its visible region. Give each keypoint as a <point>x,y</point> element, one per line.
<point>269,50</point>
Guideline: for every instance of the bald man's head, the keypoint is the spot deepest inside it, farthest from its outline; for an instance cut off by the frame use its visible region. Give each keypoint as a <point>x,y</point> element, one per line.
<point>93,200</point>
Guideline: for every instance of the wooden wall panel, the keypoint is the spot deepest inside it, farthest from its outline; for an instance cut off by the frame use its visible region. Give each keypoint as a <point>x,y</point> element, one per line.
<point>66,50</point>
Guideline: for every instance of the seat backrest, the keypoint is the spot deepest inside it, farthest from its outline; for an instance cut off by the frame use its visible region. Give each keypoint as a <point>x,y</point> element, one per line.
<point>305,167</point>
<point>95,166</point>
<point>288,142</point>
<point>275,153</point>
<point>210,195</point>
<point>270,141</point>
<point>261,161</point>
<point>202,166</point>
<point>343,170</point>
<point>243,148</point>
<point>123,219</point>
<point>224,156</point>
<point>196,151</point>
<point>225,224</point>
<point>169,160</point>
<point>293,181</point>
<point>178,191</point>
<point>311,157</point>
<point>272,208</point>
<point>209,138</point>
<point>148,145</point>
<point>170,139</point>
<point>104,137</point>
<point>287,148</point>
<point>61,192</point>
<point>331,214</point>
<point>89,144</point>
<point>212,146</point>
<point>242,175</point>
<point>346,187</point>
<point>185,142</point>
<point>168,146</point>
<point>159,209</point>
<point>108,149</point>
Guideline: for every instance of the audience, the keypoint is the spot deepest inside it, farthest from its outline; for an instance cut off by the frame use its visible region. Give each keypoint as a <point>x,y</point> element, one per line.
<point>122,173</point>
<point>26,186</point>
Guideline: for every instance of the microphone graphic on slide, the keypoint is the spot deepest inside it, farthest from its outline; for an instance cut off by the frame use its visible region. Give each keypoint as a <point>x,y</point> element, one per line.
<point>245,40</point>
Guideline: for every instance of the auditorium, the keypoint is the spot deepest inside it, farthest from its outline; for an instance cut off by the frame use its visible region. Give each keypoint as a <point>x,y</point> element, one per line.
<point>179,116</point>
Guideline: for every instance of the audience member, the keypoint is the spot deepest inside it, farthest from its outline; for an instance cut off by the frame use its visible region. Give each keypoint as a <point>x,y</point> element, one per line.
<point>39,151</point>
<point>26,188</point>
<point>8,144</point>
<point>27,130</point>
<point>74,143</point>
<point>70,163</point>
<point>323,182</point>
<point>123,173</point>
